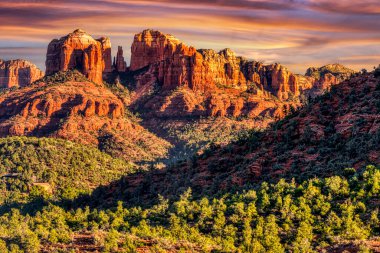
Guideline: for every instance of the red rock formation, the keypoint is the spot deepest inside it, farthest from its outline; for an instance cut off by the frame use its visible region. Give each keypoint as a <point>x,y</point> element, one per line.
<point>329,75</point>
<point>224,84</point>
<point>18,73</point>
<point>78,111</point>
<point>80,51</point>
<point>174,64</point>
<point>106,54</point>
<point>120,64</point>
<point>151,47</point>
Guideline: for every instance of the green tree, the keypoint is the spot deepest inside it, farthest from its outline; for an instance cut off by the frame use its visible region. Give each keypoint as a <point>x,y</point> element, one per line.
<point>271,240</point>
<point>304,238</point>
<point>111,241</point>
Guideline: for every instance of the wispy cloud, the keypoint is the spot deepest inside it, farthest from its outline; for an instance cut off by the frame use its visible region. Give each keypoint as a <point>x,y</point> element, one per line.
<point>298,33</point>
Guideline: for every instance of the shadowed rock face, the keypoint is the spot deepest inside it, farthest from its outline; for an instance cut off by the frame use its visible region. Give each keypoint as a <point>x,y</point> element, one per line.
<point>120,64</point>
<point>106,54</point>
<point>80,51</point>
<point>18,73</point>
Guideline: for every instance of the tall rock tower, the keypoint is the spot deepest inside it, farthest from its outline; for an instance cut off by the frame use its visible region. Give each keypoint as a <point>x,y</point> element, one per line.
<point>120,64</point>
<point>78,50</point>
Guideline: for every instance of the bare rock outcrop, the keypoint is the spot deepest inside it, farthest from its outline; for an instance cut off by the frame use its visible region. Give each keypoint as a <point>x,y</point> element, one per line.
<point>79,111</point>
<point>18,73</point>
<point>80,51</point>
<point>174,64</point>
<point>119,62</point>
<point>329,75</point>
<point>106,54</point>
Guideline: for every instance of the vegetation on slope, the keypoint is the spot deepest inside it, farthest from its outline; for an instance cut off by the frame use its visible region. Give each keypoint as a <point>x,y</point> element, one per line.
<point>193,136</point>
<point>29,166</point>
<point>316,215</point>
<point>337,130</point>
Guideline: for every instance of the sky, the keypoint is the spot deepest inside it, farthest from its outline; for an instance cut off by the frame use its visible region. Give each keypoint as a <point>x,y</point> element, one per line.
<point>295,33</point>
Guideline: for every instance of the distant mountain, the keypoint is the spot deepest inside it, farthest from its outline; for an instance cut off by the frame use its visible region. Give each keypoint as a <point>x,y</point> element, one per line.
<point>328,75</point>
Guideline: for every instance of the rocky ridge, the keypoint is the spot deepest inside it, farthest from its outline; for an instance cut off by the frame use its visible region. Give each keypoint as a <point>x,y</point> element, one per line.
<point>18,73</point>
<point>77,110</point>
<point>340,129</point>
<point>207,83</point>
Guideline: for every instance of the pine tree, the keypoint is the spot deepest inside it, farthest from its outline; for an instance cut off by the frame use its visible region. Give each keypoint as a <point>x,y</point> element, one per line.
<point>302,242</point>
<point>271,240</point>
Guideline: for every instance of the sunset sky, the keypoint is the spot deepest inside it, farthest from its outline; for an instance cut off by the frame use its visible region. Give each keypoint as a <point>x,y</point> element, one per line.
<point>296,33</point>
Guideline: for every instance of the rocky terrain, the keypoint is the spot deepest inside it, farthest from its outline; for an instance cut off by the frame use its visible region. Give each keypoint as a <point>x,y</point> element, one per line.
<point>240,182</point>
<point>338,129</point>
<point>78,110</point>
<point>172,79</point>
<point>18,73</point>
<point>168,82</point>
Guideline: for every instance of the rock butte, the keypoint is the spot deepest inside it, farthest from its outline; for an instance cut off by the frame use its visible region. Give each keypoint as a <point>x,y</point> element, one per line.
<point>78,50</point>
<point>18,73</point>
<point>217,80</point>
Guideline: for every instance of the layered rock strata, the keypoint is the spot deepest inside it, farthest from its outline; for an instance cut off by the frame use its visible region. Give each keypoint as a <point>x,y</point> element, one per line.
<point>18,73</point>
<point>80,51</point>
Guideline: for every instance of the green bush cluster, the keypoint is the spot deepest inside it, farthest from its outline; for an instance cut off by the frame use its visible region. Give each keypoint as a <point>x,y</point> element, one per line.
<point>63,77</point>
<point>285,216</point>
<point>69,169</point>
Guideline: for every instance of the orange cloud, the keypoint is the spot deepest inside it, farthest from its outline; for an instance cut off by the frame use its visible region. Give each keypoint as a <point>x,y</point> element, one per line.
<point>296,32</point>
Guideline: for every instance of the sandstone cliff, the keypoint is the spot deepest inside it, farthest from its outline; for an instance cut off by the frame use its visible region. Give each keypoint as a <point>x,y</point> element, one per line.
<point>208,83</point>
<point>77,110</point>
<point>18,73</point>
<point>80,51</point>
<point>174,64</point>
<point>203,82</point>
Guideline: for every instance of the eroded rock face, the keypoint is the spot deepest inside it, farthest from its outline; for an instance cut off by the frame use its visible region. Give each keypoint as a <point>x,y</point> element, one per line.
<point>276,79</point>
<point>18,73</point>
<point>80,51</point>
<point>106,54</point>
<point>151,47</point>
<point>120,64</point>
<point>207,83</point>
<point>329,75</point>
<point>78,111</point>
<point>174,64</point>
